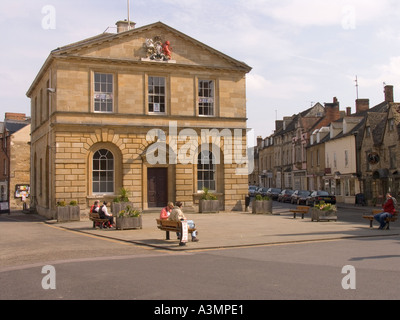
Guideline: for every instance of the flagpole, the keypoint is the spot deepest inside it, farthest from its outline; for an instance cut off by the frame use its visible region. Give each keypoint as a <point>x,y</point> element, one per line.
<point>129,19</point>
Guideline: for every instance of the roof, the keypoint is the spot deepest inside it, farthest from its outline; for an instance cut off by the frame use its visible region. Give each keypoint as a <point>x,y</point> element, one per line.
<point>14,126</point>
<point>72,50</point>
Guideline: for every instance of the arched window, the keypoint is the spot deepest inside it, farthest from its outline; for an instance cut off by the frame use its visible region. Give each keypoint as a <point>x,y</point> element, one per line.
<point>206,171</point>
<point>103,172</point>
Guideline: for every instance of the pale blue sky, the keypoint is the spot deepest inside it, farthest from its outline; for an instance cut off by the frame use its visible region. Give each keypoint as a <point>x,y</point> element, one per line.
<point>301,51</point>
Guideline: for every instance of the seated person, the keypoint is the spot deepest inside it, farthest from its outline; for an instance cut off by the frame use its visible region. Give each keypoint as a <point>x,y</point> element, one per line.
<point>389,211</point>
<point>177,215</point>
<point>103,213</point>
<point>165,212</point>
<point>95,207</point>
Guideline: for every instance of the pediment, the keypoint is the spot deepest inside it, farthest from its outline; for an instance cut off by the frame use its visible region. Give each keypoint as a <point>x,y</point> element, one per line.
<point>134,46</point>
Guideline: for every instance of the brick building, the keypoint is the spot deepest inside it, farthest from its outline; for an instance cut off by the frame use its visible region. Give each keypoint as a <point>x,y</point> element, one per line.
<point>124,110</point>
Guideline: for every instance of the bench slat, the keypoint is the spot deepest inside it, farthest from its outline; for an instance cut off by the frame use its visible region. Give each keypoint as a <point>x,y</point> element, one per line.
<point>371,218</point>
<point>300,210</point>
<point>167,225</point>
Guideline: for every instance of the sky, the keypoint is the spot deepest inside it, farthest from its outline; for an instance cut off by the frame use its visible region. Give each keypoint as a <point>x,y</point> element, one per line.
<point>301,51</point>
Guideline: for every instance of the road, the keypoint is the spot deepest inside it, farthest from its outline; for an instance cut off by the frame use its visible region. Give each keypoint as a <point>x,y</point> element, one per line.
<point>90,268</point>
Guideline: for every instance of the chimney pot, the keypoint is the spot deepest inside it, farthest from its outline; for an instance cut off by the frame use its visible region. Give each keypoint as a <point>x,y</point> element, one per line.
<point>348,113</point>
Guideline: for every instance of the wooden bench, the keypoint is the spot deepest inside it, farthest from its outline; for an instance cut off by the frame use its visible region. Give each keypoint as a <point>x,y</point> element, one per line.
<point>96,219</point>
<point>174,226</point>
<point>300,210</point>
<point>375,212</point>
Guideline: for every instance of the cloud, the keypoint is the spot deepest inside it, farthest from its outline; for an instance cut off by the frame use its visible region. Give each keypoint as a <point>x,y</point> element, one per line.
<point>284,88</point>
<point>305,13</point>
<point>386,73</point>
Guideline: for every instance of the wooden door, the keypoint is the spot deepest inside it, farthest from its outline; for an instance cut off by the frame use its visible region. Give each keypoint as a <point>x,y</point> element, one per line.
<point>157,187</point>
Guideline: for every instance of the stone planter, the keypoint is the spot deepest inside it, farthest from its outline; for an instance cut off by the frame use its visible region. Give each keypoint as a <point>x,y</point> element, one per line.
<point>267,205</point>
<point>117,207</point>
<point>62,214</point>
<point>323,215</point>
<point>208,206</point>
<point>74,213</point>
<point>68,213</point>
<point>262,207</point>
<point>126,223</point>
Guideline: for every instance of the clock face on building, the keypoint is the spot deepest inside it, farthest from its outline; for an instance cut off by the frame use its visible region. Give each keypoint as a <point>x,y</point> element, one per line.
<point>373,158</point>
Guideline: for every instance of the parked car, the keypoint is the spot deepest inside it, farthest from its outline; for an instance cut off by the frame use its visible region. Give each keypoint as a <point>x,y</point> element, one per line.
<point>273,193</point>
<point>299,197</point>
<point>318,196</point>
<point>252,191</point>
<point>262,191</point>
<point>285,195</point>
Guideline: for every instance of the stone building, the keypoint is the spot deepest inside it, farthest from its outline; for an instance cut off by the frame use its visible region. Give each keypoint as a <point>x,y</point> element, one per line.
<point>291,138</point>
<point>149,109</point>
<point>316,165</point>
<point>14,160</point>
<point>379,152</point>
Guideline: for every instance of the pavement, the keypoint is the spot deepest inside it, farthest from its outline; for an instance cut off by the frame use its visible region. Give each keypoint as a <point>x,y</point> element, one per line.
<point>241,229</point>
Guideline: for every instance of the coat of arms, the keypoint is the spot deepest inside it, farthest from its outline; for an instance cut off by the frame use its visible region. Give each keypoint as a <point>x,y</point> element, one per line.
<point>157,50</point>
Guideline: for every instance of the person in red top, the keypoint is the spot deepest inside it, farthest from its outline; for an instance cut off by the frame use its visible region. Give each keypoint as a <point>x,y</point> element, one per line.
<point>389,211</point>
<point>165,212</point>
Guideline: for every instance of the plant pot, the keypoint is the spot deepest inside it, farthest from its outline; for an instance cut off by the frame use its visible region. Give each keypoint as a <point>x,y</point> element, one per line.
<point>126,223</point>
<point>74,213</point>
<point>323,215</point>
<point>117,207</point>
<point>267,205</point>
<point>262,207</point>
<point>68,213</point>
<point>208,206</point>
<point>63,214</point>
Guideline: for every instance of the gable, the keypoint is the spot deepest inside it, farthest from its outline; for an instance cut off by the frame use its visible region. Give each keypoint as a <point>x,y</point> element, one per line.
<point>131,46</point>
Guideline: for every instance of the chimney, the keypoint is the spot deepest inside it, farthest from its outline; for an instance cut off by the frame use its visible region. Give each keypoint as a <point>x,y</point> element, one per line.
<point>348,111</point>
<point>332,111</point>
<point>362,105</point>
<point>125,25</point>
<point>278,125</point>
<point>15,116</point>
<point>259,141</point>
<point>389,97</point>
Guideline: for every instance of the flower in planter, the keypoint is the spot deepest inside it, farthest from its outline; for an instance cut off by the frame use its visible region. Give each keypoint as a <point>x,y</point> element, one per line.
<point>123,196</point>
<point>61,204</point>
<point>129,212</point>
<point>325,206</point>
<point>261,198</point>
<point>208,196</point>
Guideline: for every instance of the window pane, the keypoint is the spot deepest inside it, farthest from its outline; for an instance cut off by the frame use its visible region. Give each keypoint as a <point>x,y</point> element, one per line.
<point>156,94</point>
<point>103,172</point>
<point>103,92</point>
<point>206,171</point>
<point>206,97</point>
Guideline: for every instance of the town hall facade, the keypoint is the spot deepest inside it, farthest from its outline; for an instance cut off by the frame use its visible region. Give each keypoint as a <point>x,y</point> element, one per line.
<point>147,109</point>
